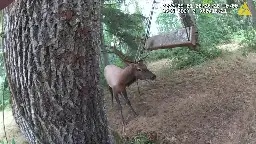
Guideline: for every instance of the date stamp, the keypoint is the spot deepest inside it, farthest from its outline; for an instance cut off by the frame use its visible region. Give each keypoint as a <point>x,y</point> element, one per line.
<point>197,8</point>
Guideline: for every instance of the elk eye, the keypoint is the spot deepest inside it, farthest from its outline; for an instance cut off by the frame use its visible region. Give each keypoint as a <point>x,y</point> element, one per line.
<point>139,69</point>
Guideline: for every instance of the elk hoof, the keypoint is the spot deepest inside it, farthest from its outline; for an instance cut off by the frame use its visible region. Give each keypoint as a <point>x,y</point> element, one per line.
<point>124,130</point>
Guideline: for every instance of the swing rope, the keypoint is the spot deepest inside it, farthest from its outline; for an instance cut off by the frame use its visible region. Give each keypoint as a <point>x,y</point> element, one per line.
<point>142,44</point>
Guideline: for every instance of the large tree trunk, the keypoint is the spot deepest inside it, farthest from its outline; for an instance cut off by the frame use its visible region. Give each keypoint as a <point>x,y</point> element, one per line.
<point>52,61</point>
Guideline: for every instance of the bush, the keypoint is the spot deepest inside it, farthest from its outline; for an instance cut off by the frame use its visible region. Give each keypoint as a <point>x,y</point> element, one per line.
<point>250,38</point>
<point>11,142</point>
<point>160,54</point>
<point>186,57</point>
<point>139,139</point>
<point>4,91</point>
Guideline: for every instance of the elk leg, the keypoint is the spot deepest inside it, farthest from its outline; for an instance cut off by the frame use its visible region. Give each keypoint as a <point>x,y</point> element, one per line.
<point>128,101</point>
<point>111,91</point>
<point>120,107</point>
<point>138,87</point>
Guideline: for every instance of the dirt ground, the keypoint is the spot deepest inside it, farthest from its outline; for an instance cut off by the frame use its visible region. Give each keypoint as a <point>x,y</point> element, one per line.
<point>213,103</point>
<point>12,130</point>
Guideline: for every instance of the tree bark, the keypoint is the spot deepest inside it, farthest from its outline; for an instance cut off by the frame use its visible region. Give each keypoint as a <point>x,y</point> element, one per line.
<point>251,6</point>
<point>52,62</point>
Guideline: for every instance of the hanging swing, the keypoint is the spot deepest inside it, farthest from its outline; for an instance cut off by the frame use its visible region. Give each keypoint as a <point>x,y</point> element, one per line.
<point>178,38</point>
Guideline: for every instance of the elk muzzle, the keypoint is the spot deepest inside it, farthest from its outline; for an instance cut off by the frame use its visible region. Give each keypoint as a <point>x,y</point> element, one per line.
<point>153,77</point>
<point>145,74</point>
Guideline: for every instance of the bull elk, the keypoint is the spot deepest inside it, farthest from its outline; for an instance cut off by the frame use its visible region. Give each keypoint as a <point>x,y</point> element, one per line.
<point>118,79</point>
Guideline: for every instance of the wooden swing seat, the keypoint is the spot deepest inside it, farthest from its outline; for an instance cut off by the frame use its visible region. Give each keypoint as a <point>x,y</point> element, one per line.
<point>178,38</point>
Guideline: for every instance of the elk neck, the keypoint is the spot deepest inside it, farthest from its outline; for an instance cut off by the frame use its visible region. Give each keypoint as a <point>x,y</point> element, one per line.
<point>127,76</point>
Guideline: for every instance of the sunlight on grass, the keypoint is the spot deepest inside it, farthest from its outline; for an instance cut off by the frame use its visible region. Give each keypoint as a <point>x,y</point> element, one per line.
<point>230,46</point>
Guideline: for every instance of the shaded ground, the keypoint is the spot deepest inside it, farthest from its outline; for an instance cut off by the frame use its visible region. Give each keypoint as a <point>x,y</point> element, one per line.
<point>213,103</point>
<point>210,104</point>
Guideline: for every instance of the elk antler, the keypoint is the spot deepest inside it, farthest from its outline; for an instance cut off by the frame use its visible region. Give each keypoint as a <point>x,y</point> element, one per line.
<point>121,55</point>
<point>143,58</point>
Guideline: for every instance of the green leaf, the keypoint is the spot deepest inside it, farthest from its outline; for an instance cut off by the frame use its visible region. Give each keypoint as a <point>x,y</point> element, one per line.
<point>13,141</point>
<point>207,1</point>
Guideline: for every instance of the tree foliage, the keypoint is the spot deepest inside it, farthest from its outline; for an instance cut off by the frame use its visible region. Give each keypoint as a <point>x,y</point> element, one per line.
<point>128,28</point>
<point>168,22</point>
<point>214,30</point>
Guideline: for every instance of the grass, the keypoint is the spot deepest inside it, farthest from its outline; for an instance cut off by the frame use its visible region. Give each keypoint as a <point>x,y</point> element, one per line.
<point>12,141</point>
<point>208,102</point>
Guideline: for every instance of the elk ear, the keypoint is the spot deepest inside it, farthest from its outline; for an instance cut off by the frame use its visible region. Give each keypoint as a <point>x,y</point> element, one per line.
<point>127,63</point>
<point>133,65</point>
<point>140,62</point>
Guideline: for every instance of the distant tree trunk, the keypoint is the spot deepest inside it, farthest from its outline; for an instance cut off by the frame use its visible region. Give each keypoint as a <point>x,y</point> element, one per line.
<point>105,56</point>
<point>230,1</point>
<point>187,18</point>
<point>239,2</point>
<point>52,60</point>
<point>251,6</point>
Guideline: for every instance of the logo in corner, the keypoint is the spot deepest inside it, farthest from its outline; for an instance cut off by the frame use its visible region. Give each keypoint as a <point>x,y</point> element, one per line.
<point>244,10</point>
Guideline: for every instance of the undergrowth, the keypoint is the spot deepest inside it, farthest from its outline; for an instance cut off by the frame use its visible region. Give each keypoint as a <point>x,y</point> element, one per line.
<point>139,138</point>
<point>10,142</point>
<point>4,94</point>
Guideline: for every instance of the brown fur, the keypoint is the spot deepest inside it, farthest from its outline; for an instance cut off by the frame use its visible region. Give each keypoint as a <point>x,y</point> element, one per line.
<point>118,79</point>
<point>127,75</point>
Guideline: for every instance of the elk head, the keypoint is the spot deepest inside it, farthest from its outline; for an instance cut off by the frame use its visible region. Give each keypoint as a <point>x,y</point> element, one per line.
<point>141,71</point>
<point>138,68</point>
